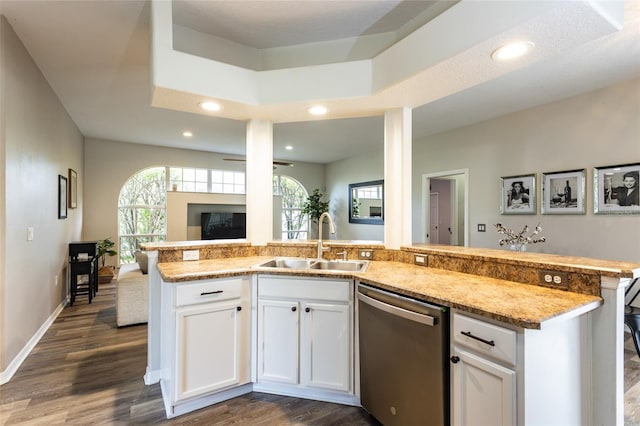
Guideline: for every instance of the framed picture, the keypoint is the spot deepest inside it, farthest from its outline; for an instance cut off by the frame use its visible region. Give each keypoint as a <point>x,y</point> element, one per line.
<point>563,192</point>
<point>615,189</point>
<point>73,189</point>
<point>62,197</point>
<point>518,194</point>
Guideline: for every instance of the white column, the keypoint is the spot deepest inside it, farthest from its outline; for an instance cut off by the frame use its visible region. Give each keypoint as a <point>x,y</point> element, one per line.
<point>259,181</point>
<point>607,339</point>
<point>397,178</point>
<point>154,321</point>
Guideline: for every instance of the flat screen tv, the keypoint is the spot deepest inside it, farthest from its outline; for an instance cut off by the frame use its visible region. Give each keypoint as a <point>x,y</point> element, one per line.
<point>223,225</point>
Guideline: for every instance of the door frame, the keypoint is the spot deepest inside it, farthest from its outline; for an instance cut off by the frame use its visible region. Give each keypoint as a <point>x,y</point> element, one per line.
<point>437,198</point>
<point>426,181</point>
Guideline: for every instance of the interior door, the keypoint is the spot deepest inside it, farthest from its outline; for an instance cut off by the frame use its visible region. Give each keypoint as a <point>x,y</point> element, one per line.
<point>455,231</point>
<point>434,218</point>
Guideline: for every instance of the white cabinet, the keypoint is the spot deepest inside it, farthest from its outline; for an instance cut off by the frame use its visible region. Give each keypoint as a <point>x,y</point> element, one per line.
<point>212,348</point>
<point>305,337</point>
<point>207,347</point>
<point>502,375</point>
<point>484,393</point>
<point>325,355</point>
<point>278,340</point>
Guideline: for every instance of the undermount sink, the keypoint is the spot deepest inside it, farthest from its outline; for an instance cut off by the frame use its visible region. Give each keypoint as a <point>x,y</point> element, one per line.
<point>289,263</point>
<point>340,265</point>
<point>319,264</point>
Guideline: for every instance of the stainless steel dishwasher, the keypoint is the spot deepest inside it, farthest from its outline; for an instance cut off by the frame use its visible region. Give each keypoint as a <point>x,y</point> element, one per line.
<point>404,349</point>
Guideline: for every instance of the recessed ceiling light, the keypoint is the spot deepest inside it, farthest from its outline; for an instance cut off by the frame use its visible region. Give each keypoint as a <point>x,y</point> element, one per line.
<point>187,134</point>
<point>288,147</point>
<point>317,110</point>
<point>512,51</point>
<point>210,106</point>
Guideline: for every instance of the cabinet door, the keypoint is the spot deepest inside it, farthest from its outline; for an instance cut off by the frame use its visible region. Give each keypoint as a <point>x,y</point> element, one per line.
<point>326,346</point>
<point>212,344</point>
<point>278,341</point>
<point>484,393</point>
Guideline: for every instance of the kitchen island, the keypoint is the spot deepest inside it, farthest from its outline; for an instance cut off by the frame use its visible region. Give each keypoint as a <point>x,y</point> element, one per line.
<point>488,284</point>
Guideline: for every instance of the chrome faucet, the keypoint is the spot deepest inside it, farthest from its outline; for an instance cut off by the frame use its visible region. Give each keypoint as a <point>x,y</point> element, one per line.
<point>332,230</point>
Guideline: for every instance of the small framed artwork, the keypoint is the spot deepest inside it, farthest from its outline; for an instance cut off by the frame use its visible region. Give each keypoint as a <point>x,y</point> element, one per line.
<point>518,194</point>
<point>73,189</point>
<point>563,192</point>
<point>615,189</point>
<point>62,197</point>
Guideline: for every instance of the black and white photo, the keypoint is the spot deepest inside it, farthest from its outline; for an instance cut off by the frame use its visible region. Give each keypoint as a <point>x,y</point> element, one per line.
<point>62,197</point>
<point>73,189</point>
<point>518,194</point>
<point>616,189</point>
<point>563,192</point>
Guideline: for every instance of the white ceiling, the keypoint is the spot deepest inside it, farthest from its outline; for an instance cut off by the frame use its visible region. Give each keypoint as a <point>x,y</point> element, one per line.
<point>95,55</point>
<point>269,24</point>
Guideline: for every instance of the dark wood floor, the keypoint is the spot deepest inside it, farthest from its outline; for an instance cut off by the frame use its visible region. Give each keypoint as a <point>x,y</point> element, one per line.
<point>85,370</point>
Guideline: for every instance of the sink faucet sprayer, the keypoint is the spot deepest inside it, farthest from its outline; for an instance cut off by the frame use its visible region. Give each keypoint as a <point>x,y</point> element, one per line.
<point>332,230</point>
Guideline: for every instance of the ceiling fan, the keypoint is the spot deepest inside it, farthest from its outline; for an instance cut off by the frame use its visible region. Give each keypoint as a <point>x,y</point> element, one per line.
<point>275,162</point>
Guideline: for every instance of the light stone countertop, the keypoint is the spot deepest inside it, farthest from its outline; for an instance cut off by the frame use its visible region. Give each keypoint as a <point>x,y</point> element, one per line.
<point>522,305</point>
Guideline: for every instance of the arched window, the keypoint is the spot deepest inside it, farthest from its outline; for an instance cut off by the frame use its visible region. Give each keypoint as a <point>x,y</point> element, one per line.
<point>295,225</point>
<point>142,207</point>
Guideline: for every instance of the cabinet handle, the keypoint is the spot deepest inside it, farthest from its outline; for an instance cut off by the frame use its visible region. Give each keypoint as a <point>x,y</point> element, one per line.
<point>239,308</point>
<point>205,293</point>
<point>307,309</point>
<point>455,359</point>
<point>480,339</point>
<point>293,309</point>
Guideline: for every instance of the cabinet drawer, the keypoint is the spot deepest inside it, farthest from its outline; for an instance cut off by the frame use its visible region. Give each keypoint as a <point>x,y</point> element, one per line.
<point>304,288</point>
<point>206,291</point>
<point>492,340</point>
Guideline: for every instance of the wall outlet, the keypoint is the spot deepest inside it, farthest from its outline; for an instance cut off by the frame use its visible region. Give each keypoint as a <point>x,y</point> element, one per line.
<point>365,254</point>
<point>55,280</point>
<point>554,278</point>
<point>421,260</point>
<point>482,227</point>
<point>191,255</point>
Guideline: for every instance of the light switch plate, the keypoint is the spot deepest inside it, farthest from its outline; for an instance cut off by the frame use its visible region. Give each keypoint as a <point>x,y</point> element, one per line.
<point>30,233</point>
<point>482,227</point>
<point>191,255</point>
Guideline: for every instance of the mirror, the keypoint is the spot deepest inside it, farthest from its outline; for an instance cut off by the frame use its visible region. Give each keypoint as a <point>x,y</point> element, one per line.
<point>366,202</point>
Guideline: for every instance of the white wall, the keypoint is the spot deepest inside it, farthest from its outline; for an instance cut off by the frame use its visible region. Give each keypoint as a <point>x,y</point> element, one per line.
<point>40,142</point>
<point>178,206</point>
<point>596,129</point>
<point>363,168</point>
<point>110,164</point>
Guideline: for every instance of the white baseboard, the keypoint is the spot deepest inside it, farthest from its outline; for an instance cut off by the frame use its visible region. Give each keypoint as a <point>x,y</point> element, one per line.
<point>11,369</point>
<point>152,376</point>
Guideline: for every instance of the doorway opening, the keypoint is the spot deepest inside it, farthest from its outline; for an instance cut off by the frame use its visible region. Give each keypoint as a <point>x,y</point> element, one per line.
<point>445,212</point>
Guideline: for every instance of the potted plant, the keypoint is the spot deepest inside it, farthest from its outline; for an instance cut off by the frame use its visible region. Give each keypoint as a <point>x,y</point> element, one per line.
<point>105,248</point>
<point>314,207</point>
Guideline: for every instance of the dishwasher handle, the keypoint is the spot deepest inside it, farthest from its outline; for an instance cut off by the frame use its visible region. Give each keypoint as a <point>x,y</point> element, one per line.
<point>394,310</point>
